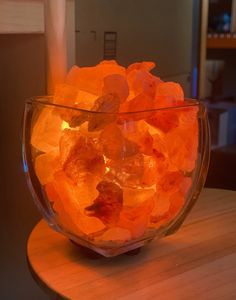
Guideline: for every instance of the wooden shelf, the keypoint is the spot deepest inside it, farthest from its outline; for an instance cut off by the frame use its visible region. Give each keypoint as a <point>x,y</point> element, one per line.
<point>221,42</point>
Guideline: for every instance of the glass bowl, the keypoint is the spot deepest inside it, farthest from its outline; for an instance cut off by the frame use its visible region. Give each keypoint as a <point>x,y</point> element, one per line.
<point>112,182</point>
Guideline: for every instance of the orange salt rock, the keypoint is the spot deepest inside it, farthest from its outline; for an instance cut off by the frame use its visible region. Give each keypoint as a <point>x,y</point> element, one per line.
<point>142,82</point>
<point>46,131</point>
<point>116,234</point>
<point>77,116</point>
<point>170,182</point>
<point>150,172</point>
<point>85,100</point>
<point>145,142</point>
<point>93,135</point>
<point>133,197</point>
<point>136,225</point>
<point>65,94</point>
<point>138,171</point>
<point>127,172</point>
<point>168,94</point>
<point>160,210</point>
<point>66,203</point>
<point>159,144</point>
<point>160,152</point>
<point>68,141</point>
<point>185,186</point>
<point>182,146</point>
<point>164,120</point>
<point>136,219</point>
<point>79,156</point>
<point>68,95</point>
<point>116,84</point>
<point>46,165</point>
<point>176,203</point>
<point>188,116</point>
<point>141,107</point>
<point>70,115</point>
<point>170,200</point>
<point>108,204</point>
<point>106,108</point>
<point>63,217</point>
<point>144,65</point>
<point>90,225</point>
<point>83,193</point>
<point>115,145</point>
<point>108,67</point>
<point>140,103</point>
<point>139,134</point>
<point>90,79</point>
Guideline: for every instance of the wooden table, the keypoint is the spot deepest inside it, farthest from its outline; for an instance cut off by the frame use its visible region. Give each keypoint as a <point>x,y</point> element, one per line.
<point>197,262</point>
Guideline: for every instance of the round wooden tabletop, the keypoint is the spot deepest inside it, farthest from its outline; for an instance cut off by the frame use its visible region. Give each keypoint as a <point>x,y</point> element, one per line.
<point>197,262</point>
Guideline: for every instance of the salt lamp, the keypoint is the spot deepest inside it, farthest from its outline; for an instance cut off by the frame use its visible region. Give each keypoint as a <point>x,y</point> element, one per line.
<point>116,157</point>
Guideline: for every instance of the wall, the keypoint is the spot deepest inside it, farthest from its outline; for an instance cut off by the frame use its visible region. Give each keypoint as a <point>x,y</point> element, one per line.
<point>147,30</point>
<point>27,16</point>
<point>22,75</point>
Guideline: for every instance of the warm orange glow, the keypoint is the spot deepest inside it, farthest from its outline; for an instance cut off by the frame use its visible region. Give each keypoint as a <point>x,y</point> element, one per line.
<point>113,177</point>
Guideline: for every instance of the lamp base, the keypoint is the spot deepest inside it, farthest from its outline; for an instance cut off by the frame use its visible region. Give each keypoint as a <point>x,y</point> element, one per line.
<point>91,254</point>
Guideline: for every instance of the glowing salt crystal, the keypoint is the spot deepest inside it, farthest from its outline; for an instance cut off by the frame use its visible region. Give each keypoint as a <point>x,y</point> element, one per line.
<point>160,211</point>
<point>176,203</point>
<point>116,84</point>
<point>109,104</point>
<point>90,225</point>
<point>108,204</point>
<point>142,82</point>
<point>81,102</point>
<point>46,132</point>
<point>171,181</point>
<point>79,156</point>
<point>188,116</point>
<point>150,172</point>
<point>66,199</point>
<point>127,172</point>
<point>90,79</point>
<point>65,95</point>
<point>168,94</point>
<point>115,145</point>
<point>92,135</point>
<point>46,165</point>
<point>136,219</point>
<point>139,134</point>
<point>63,216</point>
<point>68,141</point>
<point>164,120</point>
<point>133,197</point>
<point>65,125</point>
<point>182,147</point>
<point>85,100</point>
<point>144,65</point>
<point>116,234</point>
<point>140,103</point>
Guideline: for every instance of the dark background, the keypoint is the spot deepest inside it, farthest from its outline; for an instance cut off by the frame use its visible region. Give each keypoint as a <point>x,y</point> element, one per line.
<point>21,56</point>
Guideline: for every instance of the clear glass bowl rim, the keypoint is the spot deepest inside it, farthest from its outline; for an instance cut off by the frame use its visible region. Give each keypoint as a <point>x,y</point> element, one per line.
<point>40,100</point>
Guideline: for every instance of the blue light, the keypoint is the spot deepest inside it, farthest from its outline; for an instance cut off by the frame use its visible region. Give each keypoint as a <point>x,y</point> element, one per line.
<point>25,166</point>
<point>194,82</point>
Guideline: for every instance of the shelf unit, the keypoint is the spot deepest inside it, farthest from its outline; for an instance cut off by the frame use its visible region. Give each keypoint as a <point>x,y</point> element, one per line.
<point>221,41</point>
<point>213,41</point>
